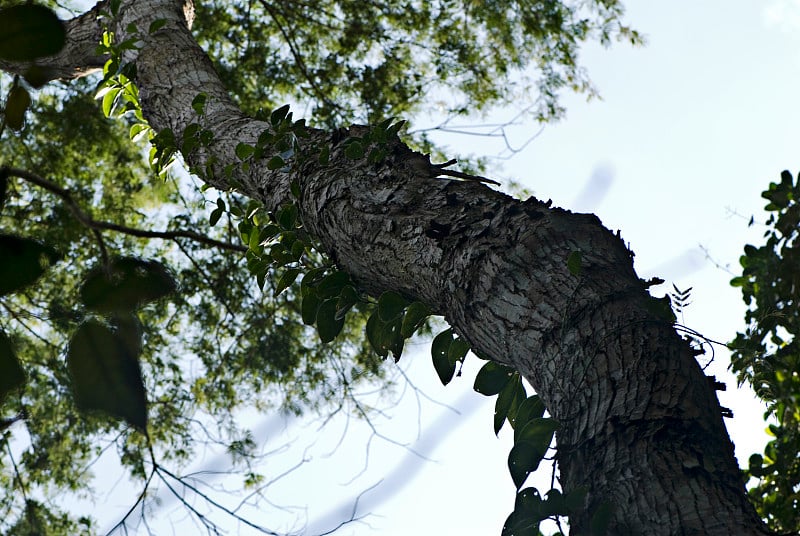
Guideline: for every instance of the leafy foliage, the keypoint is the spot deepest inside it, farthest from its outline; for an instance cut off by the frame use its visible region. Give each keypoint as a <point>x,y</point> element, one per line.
<point>767,353</point>
<point>241,322</point>
<point>355,61</point>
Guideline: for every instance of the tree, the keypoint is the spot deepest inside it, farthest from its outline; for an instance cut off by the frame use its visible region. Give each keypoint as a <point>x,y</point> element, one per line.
<point>766,353</point>
<point>540,290</point>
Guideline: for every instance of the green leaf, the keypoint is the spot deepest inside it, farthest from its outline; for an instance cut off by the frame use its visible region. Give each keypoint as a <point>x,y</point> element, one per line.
<point>244,151</point>
<point>392,338</point>
<point>523,459</point>
<point>11,374</point>
<point>492,377</point>
<point>279,115</point>
<point>287,217</point>
<point>347,299</point>
<point>374,330</point>
<point>531,408</point>
<point>17,104</point>
<point>574,263</point>
<point>354,150</point>
<point>309,307</point>
<point>154,27</point>
<point>275,162</point>
<point>22,261</point>
<point>416,313</point>
<point>328,326</point>
<point>127,284</point>
<point>440,348</point>
<point>324,154</point>
<point>457,351</point>
<point>286,280</point>
<point>391,305</point>
<point>507,402</point>
<point>332,285</point>
<point>538,432</point>
<point>30,32</point>
<point>104,369</point>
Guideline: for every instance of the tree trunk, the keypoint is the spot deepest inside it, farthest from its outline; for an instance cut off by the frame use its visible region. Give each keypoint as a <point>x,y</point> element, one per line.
<point>641,426</point>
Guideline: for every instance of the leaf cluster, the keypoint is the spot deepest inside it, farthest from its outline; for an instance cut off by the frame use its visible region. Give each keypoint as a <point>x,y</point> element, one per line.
<point>767,353</point>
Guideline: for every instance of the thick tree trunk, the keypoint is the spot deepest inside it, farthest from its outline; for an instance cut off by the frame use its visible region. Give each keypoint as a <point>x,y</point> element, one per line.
<point>641,426</point>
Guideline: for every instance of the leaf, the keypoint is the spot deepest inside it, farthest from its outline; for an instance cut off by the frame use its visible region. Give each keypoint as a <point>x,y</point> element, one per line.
<point>127,284</point>
<point>324,154</point>
<point>17,104</point>
<point>506,404</point>
<point>22,261</point>
<point>244,151</point>
<point>523,459</point>
<point>354,150</point>
<point>332,284</point>
<point>457,350</point>
<point>105,374</point>
<point>287,217</point>
<point>492,377</point>
<point>391,305</point>
<point>199,100</point>
<point>278,115</point>
<point>286,280</point>
<point>216,214</point>
<point>30,32</point>
<point>275,162</point>
<point>538,432</point>
<point>531,408</point>
<point>328,326</point>
<point>154,27</point>
<point>574,263</point>
<point>374,330</point>
<point>347,299</point>
<point>309,307</point>
<point>440,348</point>
<point>392,338</point>
<point>11,374</point>
<point>416,313</point>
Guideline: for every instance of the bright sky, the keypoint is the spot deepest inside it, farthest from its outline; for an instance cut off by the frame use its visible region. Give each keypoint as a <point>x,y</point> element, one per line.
<point>690,130</point>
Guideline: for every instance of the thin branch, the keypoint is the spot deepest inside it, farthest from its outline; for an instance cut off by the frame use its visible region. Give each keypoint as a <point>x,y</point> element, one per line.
<point>97,226</point>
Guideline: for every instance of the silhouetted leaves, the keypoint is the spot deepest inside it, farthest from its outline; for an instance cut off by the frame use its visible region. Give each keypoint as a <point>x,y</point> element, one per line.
<point>11,374</point>
<point>104,369</point>
<point>22,261</point>
<point>30,32</point>
<point>125,284</point>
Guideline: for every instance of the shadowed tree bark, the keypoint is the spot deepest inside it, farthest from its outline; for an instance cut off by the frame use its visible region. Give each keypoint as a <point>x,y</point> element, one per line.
<point>641,427</point>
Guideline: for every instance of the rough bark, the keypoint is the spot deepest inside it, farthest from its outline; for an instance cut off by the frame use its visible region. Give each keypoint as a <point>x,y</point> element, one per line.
<point>641,426</point>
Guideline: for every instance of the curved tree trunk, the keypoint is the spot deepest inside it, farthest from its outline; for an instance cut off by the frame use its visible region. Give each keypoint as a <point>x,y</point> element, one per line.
<point>641,425</point>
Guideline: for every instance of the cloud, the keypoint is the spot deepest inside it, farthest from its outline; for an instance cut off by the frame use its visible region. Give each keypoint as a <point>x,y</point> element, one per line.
<point>783,14</point>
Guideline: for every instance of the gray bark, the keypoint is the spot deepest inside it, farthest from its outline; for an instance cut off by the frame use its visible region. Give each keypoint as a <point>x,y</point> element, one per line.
<point>641,426</point>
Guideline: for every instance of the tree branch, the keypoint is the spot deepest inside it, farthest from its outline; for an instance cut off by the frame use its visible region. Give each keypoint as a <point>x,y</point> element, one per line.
<point>95,225</point>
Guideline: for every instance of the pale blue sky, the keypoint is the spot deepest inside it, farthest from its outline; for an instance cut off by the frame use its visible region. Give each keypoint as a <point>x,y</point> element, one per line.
<point>690,130</point>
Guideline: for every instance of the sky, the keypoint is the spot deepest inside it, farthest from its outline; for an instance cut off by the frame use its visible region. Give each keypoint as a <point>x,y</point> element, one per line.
<point>690,129</point>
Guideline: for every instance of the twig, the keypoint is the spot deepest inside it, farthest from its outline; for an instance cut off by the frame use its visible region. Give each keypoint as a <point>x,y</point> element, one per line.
<point>97,226</point>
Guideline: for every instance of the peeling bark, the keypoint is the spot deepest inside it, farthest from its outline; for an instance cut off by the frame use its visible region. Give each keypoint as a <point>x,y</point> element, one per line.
<point>641,426</point>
